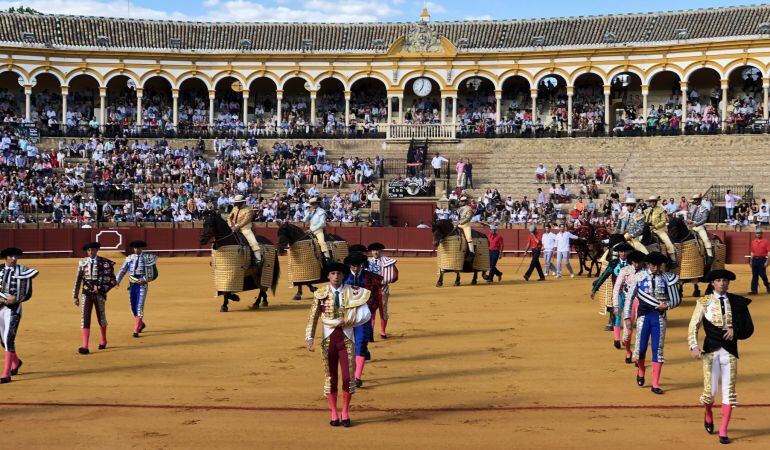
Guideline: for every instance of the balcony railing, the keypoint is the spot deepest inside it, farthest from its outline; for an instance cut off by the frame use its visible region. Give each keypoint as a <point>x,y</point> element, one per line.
<point>421,131</point>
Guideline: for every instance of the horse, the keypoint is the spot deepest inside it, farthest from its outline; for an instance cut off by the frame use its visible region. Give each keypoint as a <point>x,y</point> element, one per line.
<point>679,232</point>
<point>442,229</point>
<point>288,234</point>
<point>216,228</point>
<point>590,247</point>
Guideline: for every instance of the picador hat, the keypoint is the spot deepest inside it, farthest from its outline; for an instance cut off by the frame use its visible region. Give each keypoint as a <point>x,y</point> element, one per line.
<point>355,259</point>
<point>357,248</point>
<point>336,267</point>
<point>137,244</point>
<point>720,274</point>
<point>635,256</point>
<point>697,197</point>
<point>623,247</point>
<point>376,246</point>
<point>95,245</point>
<point>239,199</point>
<point>656,258</point>
<point>653,198</point>
<point>11,251</point>
<point>630,201</point>
<point>313,200</point>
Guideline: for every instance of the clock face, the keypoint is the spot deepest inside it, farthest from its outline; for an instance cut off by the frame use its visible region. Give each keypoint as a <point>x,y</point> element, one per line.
<point>422,86</point>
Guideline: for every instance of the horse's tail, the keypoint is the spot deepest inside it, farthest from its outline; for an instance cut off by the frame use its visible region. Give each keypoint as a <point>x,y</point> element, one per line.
<point>276,274</point>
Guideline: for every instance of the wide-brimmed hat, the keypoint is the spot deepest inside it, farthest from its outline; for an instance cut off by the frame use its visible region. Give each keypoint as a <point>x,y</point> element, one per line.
<point>336,267</point>
<point>376,246</point>
<point>653,198</point>
<point>463,199</point>
<point>137,244</point>
<point>239,199</point>
<point>696,197</point>
<point>656,258</point>
<point>356,259</point>
<point>11,251</point>
<point>89,245</point>
<point>623,247</point>
<point>630,201</point>
<point>313,200</point>
<point>720,274</point>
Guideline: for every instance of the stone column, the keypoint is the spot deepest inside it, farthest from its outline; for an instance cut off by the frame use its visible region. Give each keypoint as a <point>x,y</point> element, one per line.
<point>64,93</point>
<point>312,108</point>
<point>28,102</point>
<point>279,99</point>
<point>245,108</point>
<point>723,113</point>
<point>400,109</point>
<point>454,110</point>
<point>102,107</point>
<point>570,95</point>
<point>212,96</point>
<point>533,94</point>
<point>443,110</point>
<point>139,106</point>
<point>607,92</point>
<point>645,93</point>
<point>390,115</point>
<point>175,106</point>
<point>765,87</point>
<point>498,105</point>
<point>683,85</point>
<point>347,107</point>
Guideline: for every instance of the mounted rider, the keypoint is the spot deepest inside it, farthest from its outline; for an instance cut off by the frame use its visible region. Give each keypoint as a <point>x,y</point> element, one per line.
<point>656,217</point>
<point>464,223</point>
<point>698,216</point>
<point>631,225</point>
<point>240,219</point>
<point>315,218</point>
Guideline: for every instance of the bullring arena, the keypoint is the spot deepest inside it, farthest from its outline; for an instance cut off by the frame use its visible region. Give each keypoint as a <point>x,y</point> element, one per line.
<point>117,131</point>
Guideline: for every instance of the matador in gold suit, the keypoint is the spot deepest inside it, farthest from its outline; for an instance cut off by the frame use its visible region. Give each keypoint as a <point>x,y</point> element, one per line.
<point>464,222</point>
<point>340,308</point>
<point>240,219</point>
<point>725,319</point>
<point>657,218</point>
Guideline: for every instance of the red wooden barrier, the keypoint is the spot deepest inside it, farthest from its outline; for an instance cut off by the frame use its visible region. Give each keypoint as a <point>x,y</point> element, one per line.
<point>67,242</point>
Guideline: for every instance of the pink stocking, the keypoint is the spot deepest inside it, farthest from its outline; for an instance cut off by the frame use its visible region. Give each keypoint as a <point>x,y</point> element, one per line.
<point>86,334</point>
<point>137,324</point>
<point>709,413</point>
<point>627,344</point>
<point>640,365</point>
<point>616,333</point>
<point>15,362</point>
<point>360,361</point>
<point>383,325</point>
<point>333,405</point>
<point>104,335</point>
<point>7,367</point>
<point>727,411</point>
<point>346,405</point>
<point>656,366</point>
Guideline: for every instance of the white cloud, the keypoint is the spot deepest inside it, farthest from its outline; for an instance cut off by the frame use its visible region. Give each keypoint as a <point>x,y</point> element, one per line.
<point>108,8</point>
<point>482,17</point>
<point>435,8</point>
<point>209,3</point>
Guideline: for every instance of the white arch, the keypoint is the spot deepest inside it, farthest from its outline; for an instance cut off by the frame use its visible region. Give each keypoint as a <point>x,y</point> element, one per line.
<point>582,72</point>
<point>673,69</point>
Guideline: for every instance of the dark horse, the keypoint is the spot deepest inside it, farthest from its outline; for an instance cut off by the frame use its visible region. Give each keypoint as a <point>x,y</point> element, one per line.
<point>216,228</point>
<point>443,228</point>
<point>288,234</point>
<point>679,232</point>
<point>590,247</point>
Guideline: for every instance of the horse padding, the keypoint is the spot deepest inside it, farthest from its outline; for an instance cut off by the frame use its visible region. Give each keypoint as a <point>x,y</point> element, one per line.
<point>605,296</point>
<point>339,250</point>
<point>268,265</point>
<point>720,255</point>
<point>452,249</point>
<point>691,260</point>
<point>304,261</point>
<point>229,263</point>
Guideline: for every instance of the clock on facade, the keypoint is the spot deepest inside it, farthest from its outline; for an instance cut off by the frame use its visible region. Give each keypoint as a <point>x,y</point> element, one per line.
<point>422,86</point>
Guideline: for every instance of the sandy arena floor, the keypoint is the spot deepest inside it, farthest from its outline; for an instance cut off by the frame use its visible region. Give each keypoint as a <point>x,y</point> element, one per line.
<point>517,365</point>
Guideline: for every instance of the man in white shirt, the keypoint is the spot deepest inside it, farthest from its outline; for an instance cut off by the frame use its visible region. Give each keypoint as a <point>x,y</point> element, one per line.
<point>562,250</point>
<point>730,199</point>
<point>436,163</point>
<point>541,174</point>
<point>549,245</point>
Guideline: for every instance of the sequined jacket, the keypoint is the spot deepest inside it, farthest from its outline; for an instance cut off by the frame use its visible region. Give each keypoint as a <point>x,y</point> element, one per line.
<point>466,214</point>
<point>651,290</point>
<point>369,281</point>
<point>710,314</point>
<point>240,218</point>
<point>16,281</point>
<point>631,223</point>
<point>99,273</point>
<point>352,311</point>
<point>699,214</point>
<point>656,217</point>
<point>141,266</point>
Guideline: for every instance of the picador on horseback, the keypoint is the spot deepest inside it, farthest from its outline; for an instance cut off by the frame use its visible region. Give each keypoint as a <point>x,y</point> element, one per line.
<point>464,224</point>
<point>631,224</point>
<point>657,219</point>
<point>240,219</point>
<point>699,215</point>
<point>315,219</point>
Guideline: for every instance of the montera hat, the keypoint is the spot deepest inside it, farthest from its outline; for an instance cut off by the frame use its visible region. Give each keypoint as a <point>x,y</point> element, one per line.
<point>11,251</point>
<point>137,244</point>
<point>376,246</point>
<point>95,245</point>
<point>623,247</point>
<point>336,267</point>
<point>635,256</point>
<point>720,274</point>
<point>356,259</point>
<point>357,248</point>
<point>656,258</point>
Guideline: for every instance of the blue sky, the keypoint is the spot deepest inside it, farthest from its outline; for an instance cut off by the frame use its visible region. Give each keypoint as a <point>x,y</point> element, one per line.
<point>351,10</point>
